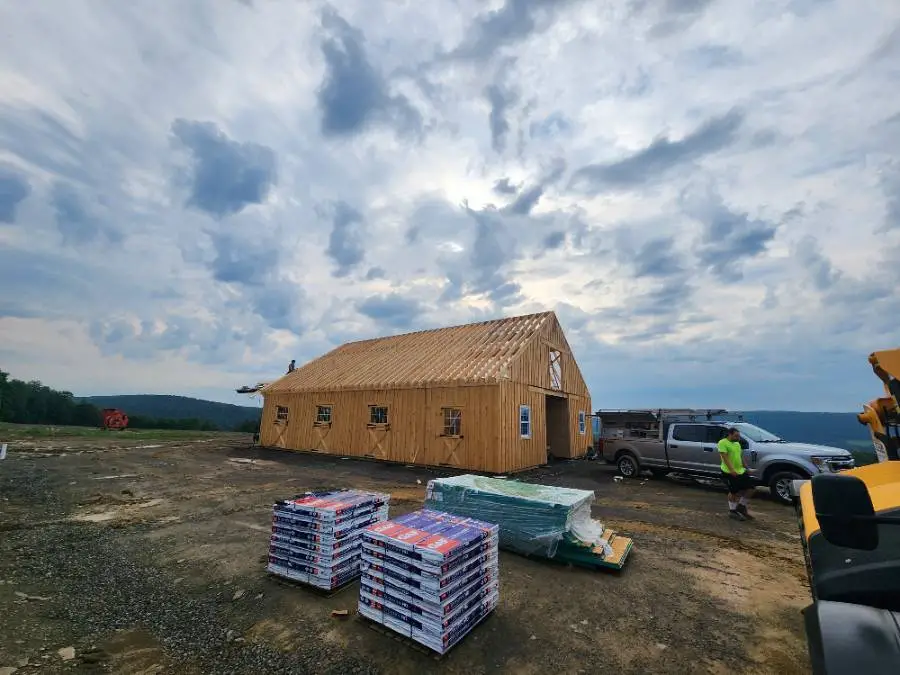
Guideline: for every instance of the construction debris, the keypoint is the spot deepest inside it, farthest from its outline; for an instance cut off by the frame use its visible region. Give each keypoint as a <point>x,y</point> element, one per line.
<point>317,537</point>
<point>430,576</point>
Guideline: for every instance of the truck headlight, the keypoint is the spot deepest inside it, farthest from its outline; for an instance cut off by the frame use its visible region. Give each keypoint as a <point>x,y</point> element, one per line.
<point>821,463</point>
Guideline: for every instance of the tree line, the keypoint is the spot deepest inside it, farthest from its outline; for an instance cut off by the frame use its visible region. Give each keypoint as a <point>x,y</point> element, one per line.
<point>35,403</point>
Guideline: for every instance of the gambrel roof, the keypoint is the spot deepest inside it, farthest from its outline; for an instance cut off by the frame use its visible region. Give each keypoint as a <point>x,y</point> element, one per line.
<point>471,353</point>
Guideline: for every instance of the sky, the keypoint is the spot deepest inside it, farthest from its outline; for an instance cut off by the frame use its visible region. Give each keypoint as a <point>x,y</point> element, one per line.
<point>706,192</point>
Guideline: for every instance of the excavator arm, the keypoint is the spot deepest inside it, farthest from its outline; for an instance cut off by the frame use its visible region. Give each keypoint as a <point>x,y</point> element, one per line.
<point>882,415</point>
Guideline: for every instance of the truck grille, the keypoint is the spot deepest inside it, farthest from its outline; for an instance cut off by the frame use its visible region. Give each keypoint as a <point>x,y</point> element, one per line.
<point>841,464</point>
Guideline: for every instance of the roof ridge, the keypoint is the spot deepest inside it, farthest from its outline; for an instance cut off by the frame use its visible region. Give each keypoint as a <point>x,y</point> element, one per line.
<point>443,328</point>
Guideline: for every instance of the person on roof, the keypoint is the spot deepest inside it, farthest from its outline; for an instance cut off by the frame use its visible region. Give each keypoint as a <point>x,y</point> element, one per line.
<point>735,475</point>
<point>291,366</point>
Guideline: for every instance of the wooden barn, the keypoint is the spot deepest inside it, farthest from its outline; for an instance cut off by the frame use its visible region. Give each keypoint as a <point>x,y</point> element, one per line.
<point>496,396</point>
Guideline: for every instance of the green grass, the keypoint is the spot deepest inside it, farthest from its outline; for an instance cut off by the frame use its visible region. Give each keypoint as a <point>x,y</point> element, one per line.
<point>10,432</point>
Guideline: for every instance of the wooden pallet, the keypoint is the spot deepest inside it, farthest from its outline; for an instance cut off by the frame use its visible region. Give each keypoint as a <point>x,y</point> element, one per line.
<point>321,592</point>
<point>413,644</point>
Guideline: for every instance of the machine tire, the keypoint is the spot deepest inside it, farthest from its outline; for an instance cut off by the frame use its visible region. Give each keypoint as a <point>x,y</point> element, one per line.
<point>780,484</point>
<point>627,465</point>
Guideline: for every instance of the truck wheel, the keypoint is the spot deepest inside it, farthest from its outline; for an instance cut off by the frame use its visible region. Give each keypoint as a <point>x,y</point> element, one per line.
<point>780,485</point>
<point>627,465</point>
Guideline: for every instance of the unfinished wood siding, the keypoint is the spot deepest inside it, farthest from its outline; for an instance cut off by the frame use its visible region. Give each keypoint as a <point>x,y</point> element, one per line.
<point>580,443</point>
<point>517,453</point>
<point>414,434</point>
<point>533,367</point>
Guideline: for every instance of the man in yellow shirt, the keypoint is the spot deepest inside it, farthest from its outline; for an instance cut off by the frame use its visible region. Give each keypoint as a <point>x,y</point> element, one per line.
<point>740,487</point>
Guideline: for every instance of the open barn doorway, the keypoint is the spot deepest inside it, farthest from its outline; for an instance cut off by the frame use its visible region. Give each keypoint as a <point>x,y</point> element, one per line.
<point>557,416</point>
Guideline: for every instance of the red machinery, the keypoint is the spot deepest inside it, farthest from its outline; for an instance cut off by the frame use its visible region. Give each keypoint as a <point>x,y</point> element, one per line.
<point>114,419</point>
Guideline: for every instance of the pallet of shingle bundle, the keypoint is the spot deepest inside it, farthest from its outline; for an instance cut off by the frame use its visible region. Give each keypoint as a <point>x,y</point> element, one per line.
<point>317,537</point>
<point>429,576</point>
<point>534,520</point>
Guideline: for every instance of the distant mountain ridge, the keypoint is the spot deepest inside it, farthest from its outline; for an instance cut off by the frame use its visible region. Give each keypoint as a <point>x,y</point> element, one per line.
<point>225,416</point>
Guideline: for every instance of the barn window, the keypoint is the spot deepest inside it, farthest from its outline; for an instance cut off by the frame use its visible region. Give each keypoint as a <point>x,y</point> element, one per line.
<point>378,414</point>
<point>452,422</point>
<point>555,369</point>
<point>323,415</point>
<point>281,414</point>
<point>524,421</point>
<point>581,422</point>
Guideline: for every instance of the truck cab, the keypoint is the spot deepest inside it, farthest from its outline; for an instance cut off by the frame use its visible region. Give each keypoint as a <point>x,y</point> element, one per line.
<point>685,442</point>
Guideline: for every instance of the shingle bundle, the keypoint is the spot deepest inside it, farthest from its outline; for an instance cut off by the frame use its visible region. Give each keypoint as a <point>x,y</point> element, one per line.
<point>317,537</point>
<point>430,576</point>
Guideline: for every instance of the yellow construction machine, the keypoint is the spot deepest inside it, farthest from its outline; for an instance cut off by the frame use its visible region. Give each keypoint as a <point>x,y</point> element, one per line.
<point>851,541</point>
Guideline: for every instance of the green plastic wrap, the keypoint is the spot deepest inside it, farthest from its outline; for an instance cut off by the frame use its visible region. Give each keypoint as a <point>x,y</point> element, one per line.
<point>532,518</point>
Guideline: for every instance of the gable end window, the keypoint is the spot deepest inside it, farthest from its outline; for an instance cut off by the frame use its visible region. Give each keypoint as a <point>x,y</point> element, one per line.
<point>323,415</point>
<point>452,421</point>
<point>378,414</point>
<point>524,421</point>
<point>281,414</point>
<point>555,369</point>
<point>581,422</point>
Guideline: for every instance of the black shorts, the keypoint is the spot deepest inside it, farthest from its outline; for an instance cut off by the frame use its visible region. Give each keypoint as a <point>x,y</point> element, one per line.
<point>737,483</point>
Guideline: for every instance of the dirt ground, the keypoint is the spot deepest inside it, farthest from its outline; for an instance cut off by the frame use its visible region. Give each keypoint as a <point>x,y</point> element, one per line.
<point>148,557</point>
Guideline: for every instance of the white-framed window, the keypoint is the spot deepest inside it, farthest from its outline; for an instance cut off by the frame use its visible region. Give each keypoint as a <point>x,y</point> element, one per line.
<point>323,415</point>
<point>524,421</point>
<point>452,422</point>
<point>581,422</point>
<point>555,369</point>
<point>378,414</point>
<point>281,414</point>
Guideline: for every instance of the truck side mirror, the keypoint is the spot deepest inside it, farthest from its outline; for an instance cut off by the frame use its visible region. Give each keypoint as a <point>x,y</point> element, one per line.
<point>845,512</point>
<point>744,443</point>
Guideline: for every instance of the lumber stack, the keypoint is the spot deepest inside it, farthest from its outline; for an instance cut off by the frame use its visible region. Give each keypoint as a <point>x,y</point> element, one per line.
<point>429,576</point>
<point>317,537</point>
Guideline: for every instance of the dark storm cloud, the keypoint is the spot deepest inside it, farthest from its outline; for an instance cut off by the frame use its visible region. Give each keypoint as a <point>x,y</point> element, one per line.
<point>227,175</point>
<point>346,242</point>
<point>14,188</point>
<point>394,310</point>
<point>661,156</point>
<point>353,94</point>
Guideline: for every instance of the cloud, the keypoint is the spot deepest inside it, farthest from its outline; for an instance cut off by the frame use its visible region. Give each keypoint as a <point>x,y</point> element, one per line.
<point>14,188</point>
<point>393,310</point>
<point>346,245</point>
<point>502,186</point>
<point>809,255</point>
<point>657,258</point>
<point>729,237</point>
<point>661,156</point>
<point>354,95</point>
<point>227,175</point>
<point>526,201</point>
<point>500,99</point>
<point>76,220</point>
<point>243,261</point>
<point>375,273</point>
<point>514,21</point>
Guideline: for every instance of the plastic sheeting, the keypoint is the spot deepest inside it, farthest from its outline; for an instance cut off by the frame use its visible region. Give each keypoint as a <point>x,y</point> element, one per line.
<point>532,518</point>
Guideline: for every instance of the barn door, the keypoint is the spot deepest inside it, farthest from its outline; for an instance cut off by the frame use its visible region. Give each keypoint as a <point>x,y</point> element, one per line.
<point>451,445</point>
<point>379,429</point>
<point>322,432</point>
<point>281,426</point>
<point>451,436</point>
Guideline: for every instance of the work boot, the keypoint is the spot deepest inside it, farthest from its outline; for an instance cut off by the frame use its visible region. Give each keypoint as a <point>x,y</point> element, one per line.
<point>736,515</point>
<point>742,509</point>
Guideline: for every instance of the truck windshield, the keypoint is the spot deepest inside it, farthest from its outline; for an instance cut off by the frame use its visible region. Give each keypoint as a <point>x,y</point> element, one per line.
<point>757,434</point>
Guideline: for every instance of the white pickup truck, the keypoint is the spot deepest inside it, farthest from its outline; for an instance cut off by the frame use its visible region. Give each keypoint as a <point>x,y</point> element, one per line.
<point>665,442</point>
